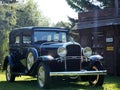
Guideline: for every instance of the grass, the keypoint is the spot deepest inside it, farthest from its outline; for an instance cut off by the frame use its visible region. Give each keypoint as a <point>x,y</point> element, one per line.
<point>29,83</point>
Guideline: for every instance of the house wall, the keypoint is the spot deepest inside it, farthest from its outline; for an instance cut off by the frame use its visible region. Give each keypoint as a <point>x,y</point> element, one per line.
<point>99,30</point>
<point>103,41</point>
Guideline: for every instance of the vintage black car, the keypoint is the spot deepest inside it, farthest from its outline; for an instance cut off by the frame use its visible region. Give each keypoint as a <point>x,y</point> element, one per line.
<point>45,52</point>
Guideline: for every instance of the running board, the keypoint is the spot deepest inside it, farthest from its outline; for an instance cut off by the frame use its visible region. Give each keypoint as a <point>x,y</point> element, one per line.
<point>78,73</point>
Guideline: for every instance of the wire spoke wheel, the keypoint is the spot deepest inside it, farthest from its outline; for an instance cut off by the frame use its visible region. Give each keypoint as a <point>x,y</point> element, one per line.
<point>8,72</point>
<point>9,76</point>
<point>43,76</point>
<point>96,79</point>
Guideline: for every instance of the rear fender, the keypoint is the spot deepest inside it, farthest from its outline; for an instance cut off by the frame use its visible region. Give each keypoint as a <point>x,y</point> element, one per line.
<point>35,53</point>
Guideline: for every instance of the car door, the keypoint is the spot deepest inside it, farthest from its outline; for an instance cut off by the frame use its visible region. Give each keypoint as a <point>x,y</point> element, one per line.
<point>26,44</point>
<point>15,49</point>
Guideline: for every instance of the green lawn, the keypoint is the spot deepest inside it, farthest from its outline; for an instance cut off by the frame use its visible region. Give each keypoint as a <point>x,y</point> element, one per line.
<point>29,83</point>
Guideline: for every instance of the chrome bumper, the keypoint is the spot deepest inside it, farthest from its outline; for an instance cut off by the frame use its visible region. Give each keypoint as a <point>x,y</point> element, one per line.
<point>78,73</point>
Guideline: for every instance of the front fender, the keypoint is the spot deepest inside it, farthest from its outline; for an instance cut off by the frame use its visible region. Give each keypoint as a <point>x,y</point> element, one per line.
<point>8,59</point>
<point>95,57</point>
<point>46,58</point>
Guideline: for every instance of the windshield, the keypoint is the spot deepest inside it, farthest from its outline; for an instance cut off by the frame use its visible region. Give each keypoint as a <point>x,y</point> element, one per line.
<point>52,36</point>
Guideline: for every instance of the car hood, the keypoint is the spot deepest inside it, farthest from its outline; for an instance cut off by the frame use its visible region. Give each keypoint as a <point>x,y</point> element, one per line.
<point>57,45</point>
<point>50,48</point>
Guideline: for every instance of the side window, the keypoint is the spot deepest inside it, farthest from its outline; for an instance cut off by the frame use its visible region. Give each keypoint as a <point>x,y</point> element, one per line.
<point>49,38</point>
<point>17,39</point>
<point>26,39</point>
<point>64,37</point>
<point>56,37</point>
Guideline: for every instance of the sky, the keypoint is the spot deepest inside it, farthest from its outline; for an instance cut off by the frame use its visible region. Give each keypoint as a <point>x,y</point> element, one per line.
<point>56,10</point>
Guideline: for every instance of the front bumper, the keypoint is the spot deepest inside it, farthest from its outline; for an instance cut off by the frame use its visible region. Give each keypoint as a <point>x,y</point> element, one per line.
<point>79,73</point>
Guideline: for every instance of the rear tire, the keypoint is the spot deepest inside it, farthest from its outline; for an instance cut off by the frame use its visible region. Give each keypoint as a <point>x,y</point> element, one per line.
<point>43,76</point>
<point>9,76</point>
<point>96,80</point>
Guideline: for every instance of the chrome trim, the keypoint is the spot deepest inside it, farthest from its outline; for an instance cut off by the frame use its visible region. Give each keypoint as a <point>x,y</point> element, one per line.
<point>78,73</point>
<point>73,57</point>
<point>70,43</point>
<point>68,58</point>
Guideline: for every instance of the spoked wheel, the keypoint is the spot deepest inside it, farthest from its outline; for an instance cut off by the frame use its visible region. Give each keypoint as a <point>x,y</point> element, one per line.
<point>43,76</point>
<point>30,60</point>
<point>96,80</point>
<point>9,76</point>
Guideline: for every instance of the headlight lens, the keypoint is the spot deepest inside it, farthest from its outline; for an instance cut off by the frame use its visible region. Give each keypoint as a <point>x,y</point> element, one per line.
<point>87,51</point>
<point>62,51</point>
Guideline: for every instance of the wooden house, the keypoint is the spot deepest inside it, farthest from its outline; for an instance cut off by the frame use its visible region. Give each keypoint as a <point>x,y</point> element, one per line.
<point>100,30</point>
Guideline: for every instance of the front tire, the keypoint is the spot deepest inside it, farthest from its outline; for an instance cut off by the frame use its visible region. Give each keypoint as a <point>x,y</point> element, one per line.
<point>43,76</point>
<point>96,80</point>
<point>9,76</point>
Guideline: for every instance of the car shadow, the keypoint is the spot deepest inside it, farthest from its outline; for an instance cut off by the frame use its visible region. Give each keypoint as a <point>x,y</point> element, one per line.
<point>56,84</point>
<point>67,84</point>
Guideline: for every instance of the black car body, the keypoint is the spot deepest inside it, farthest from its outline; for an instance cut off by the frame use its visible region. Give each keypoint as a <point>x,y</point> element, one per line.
<point>46,52</point>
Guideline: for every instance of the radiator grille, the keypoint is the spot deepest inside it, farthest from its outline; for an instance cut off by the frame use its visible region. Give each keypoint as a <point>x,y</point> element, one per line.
<point>73,65</point>
<point>73,50</point>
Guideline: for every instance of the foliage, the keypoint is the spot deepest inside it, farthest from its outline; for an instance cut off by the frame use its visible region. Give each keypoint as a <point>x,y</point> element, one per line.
<point>7,21</point>
<point>17,15</point>
<point>73,21</point>
<point>87,5</point>
<point>62,24</point>
<point>7,17</point>
<point>28,15</point>
<point>8,1</point>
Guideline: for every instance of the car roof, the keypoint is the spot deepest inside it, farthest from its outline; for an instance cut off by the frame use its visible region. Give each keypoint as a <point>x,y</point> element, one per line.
<point>34,28</point>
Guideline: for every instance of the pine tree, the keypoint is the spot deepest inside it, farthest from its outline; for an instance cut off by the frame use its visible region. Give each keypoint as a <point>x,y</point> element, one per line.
<point>87,5</point>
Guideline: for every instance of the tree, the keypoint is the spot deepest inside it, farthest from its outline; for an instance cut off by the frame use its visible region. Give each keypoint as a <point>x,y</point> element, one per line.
<point>8,1</point>
<point>7,22</point>
<point>13,15</point>
<point>63,24</point>
<point>87,5</point>
<point>28,15</point>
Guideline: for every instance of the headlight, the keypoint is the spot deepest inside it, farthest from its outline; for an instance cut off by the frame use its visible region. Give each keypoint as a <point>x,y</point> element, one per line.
<point>62,51</point>
<point>87,51</point>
